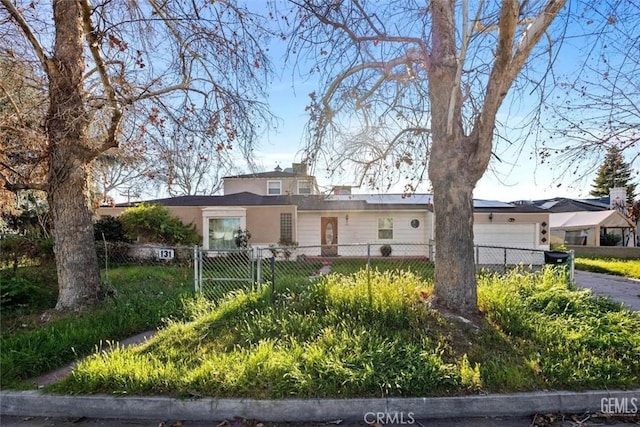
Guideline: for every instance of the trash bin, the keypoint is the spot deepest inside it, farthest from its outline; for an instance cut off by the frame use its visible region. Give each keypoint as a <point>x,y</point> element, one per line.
<point>556,257</point>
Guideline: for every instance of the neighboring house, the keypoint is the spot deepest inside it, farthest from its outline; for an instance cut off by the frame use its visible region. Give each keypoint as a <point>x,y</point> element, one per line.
<point>589,222</point>
<point>327,225</point>
<point>602,228</point>
<point>562,204</point>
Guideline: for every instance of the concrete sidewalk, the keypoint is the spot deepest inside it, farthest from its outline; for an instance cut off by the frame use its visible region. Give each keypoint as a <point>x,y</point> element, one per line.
<point>619,289</point>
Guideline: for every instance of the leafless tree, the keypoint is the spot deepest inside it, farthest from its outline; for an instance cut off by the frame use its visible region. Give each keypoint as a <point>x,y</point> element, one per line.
<point>598,105</point>
<point>197,64</point>
<point>190,164</point>
<point>412,86</point>
<point>116,169</point>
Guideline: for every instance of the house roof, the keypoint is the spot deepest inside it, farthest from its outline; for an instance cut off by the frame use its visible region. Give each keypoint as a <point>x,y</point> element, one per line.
<point>562,204</point>
<point>270,174</point>
<point>236,199</point>
<point>577,220</point>
<point>354,202</point>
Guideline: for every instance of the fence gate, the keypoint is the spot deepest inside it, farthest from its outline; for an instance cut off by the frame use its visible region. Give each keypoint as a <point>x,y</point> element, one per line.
<point>220,271</point>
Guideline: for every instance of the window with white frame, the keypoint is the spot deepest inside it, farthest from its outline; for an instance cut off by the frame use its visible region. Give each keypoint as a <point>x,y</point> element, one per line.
<point>385,228</point>
<point>222,232</point>
<point>304,187</point>
<point>274,188</point>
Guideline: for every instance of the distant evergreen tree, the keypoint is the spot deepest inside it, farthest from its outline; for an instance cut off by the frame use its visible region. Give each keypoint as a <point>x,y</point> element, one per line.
<point>614,172</point>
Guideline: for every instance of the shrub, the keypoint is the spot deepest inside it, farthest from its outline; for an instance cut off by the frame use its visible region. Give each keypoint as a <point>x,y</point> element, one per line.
<point>285,248</point>
<point>111,228</point>
<point>16,291</point>
<point>609,239</point>
<point>385,250</point>
<point>154,223</point>
<point>115,251</point>
<point>241,238</point>
<point>15,250</point>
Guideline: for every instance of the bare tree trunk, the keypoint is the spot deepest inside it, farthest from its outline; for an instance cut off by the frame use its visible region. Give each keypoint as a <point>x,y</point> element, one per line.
<point>455,277</point>
<point>79,283</point>
<point>456,164</point>
<point>67,126</point>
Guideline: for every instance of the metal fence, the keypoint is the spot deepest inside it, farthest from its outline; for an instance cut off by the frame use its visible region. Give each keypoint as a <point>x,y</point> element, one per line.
<point>217,272</point>
<point>223,271</point>
<point>220,271</point>
<point>113,256</point>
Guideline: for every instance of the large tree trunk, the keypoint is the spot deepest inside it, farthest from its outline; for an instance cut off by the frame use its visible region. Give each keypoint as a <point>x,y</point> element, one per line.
<point>76,261</point>
<point>67,128</point>
<point>456,163</point>
<point>455,276</point>
<point>453,171</point>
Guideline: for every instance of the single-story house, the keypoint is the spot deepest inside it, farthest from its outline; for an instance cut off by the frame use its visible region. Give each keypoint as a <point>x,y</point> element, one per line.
<point>327,225</point>
<point>592,228</point>
<point>283,206</point>
<point>589,222</point>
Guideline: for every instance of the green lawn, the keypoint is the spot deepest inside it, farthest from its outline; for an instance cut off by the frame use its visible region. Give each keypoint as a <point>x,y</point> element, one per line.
<point>140,298</point>
<point>619,267</point>
<point>328,338</point>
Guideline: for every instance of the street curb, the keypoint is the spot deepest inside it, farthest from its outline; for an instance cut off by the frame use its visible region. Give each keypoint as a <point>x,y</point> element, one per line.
<point>35,403</point>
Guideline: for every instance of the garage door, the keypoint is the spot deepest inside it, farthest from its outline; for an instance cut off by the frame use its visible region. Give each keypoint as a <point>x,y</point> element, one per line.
<point>507,235</point>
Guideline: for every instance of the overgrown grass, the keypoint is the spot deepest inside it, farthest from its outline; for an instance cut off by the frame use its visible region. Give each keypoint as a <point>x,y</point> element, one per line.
<point>619,267</point>
<point>141,298</point>
<point>327,339</point>
<point>568,338</point>
<point>26,290</point>
<point>422,269</point>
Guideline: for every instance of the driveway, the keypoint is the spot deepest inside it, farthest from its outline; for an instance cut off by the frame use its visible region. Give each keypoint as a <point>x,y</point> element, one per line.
<point>619,289</point>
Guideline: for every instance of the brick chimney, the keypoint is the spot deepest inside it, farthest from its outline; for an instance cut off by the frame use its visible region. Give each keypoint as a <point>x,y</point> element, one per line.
<point>299,168</point>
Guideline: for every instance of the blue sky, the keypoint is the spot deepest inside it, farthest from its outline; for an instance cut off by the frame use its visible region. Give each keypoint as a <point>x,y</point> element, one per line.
<point>516,177</point>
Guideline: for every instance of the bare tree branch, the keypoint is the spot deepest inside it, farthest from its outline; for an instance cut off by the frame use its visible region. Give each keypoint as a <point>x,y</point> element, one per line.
<point>28,33</point>
<point>110,139</point>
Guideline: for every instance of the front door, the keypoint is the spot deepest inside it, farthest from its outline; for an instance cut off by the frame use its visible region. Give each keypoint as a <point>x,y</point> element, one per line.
<point>329,236</point>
